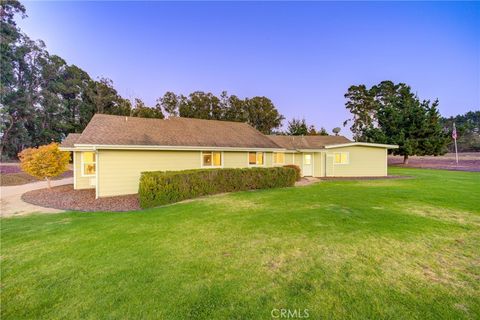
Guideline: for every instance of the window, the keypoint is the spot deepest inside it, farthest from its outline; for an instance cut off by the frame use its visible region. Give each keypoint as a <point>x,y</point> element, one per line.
<point>341,158</point>
<point>88,164</point>
<point>278,158</point>
<point>256,158</point>
<point>211,159</point>
<point>307,159</point>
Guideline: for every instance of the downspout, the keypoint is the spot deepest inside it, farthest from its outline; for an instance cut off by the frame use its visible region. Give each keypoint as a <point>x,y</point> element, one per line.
<point>74,154</point>
<point>96,173</point>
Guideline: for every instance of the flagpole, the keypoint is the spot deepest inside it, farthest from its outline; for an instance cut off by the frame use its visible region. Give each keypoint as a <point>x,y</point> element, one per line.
<point>455,139</point>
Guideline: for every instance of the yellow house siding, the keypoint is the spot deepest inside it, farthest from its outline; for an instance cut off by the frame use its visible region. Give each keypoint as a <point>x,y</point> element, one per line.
<point>80,181</point>
<point>268,159</point>
<point>120,169</point>
<point>317,164</point>
<point>235,159</point>
<point>289,158</point>
<point>298,159</point>
<point>363,161</point>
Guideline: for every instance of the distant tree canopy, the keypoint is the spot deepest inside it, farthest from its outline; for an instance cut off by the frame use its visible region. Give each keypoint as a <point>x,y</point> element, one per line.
<point>391,113</point>
<point>468,131</point>
<point>299,127</point>
<point>42,98</point>
<point>259,112</point>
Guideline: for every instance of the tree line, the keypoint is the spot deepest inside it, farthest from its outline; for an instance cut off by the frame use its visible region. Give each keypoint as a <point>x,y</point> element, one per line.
<point>468,131</point>
<point>43,98</point>
<point>391,113</point>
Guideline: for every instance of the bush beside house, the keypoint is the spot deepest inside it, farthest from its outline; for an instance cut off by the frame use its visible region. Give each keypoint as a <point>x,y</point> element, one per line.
<point>160,187</point>
<point>44,162</point>
<point>297,169</point>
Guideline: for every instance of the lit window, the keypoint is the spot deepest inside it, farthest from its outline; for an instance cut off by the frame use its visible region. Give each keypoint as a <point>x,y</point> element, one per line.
<point>88,164</point>
<point>259,158</point>
<point>278,157</point>
<point>256,158</point>
<point>341,158</point>
<point>217,159</point>
<point>307,159</point>
<point>212,159</point>
<point>252,158</point>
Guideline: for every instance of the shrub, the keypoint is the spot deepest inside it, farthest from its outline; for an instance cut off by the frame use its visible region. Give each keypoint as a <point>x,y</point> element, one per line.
<point>163,187</point>
<point>298,171</point>
<point>44,162</point>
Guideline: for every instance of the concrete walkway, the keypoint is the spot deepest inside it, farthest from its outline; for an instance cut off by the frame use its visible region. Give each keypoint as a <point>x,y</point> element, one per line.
<point>306,181</point>
<point>11,203</point>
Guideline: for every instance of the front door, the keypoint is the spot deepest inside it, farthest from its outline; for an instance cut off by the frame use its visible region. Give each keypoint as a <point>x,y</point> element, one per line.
<point>307,164</point>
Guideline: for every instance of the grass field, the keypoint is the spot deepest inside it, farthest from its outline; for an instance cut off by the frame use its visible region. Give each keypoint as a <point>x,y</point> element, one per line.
<point>391,249</point>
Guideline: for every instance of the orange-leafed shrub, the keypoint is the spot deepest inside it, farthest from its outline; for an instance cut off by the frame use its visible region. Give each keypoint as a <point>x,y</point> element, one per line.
<point>44,162</point>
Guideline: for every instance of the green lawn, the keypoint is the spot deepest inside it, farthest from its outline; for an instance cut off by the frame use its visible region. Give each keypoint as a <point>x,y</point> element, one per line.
<point>391,249</point>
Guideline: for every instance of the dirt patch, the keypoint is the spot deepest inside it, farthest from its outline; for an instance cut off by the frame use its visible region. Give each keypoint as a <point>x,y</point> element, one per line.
<point>364,178</point>
<point>65,198</point>
<point>19,178</point>
<point>466,162</point>
<point>306,181</point>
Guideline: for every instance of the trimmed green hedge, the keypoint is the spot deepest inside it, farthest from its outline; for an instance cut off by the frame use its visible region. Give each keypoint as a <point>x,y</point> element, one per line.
<point>297,170</point>
<point>162,187</point>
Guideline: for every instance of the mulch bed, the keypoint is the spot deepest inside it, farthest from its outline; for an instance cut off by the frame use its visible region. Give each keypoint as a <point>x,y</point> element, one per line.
<point>65,198</point>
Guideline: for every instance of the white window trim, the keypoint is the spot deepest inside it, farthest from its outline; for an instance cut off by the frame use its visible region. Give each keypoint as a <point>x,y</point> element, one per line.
<point>278,163</point>
<point>82,163</point>
<point>222,160</point>
<point>255,165</point>
<point>341,164</point>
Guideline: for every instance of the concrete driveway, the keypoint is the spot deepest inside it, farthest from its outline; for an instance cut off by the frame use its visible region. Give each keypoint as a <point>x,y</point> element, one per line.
<point>11,203</point>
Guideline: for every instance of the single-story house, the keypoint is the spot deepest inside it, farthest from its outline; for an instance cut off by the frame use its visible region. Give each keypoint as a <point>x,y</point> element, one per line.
<point>112,151</point>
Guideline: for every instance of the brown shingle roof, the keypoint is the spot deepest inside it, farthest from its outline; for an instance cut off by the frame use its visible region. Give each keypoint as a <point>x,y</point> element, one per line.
<point>70,140</point>
<point>120,130</point>
<point>307,142</point>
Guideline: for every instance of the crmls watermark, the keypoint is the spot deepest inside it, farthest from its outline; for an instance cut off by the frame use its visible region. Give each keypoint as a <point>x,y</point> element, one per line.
<point>289,313</point>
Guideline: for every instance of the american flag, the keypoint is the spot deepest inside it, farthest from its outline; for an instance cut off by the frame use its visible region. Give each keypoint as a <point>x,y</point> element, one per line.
<point>454,132</point>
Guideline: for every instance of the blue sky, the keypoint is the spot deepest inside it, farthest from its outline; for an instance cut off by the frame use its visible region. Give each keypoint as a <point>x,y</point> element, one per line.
<point>303,56</point>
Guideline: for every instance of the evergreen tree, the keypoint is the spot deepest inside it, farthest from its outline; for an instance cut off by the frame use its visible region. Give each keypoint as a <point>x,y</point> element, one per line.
<point>391,113</point>
<point>297,127</point>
